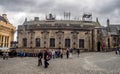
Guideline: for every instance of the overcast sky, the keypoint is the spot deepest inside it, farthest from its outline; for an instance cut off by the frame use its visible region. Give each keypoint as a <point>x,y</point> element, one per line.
<point>17,10</point>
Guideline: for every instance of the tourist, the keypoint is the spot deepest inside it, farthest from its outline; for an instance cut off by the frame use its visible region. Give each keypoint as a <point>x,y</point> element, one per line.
<point>46,58</point>
<point>78,52</point>
<point>61,53</point>
<point>119,49</point>
<point>116,49</point>
<point>67,53</point>
<point>5,55</point>
<point>53,54</point>
<point>70,54</point>
<point>40,56</point>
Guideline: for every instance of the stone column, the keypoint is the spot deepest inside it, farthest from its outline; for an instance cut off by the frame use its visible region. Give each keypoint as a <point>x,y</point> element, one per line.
<point>0,39</point>
<point>8,41</point>
<point>3,41</point>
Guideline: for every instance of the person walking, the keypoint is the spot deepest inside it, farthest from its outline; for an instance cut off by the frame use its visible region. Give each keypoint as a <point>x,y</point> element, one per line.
<point>119,49</point>
<point>61,53</point>
<point>40,56</point>
<point>116,49</point>
<point>78,52</point>
<point>4,55</point>
<point>67,53</point>
<point>46,58</point>
<point>53,53</point>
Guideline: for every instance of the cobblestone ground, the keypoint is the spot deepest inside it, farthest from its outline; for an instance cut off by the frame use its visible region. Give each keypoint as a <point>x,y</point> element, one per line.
<point>87,63</point>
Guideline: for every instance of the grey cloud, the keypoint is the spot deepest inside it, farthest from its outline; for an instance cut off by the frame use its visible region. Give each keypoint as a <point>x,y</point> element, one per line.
<point>108,7</point>
<point>27,5</point>
<point>77,8</point>
<point>40,6</point>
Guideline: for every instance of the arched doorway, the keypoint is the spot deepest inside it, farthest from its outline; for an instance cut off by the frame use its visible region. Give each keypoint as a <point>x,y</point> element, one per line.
<point>98,46</point>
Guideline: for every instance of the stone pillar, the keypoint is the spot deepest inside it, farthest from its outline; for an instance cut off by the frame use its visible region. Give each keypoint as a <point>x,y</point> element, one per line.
<point>0,40</point>
<point>8,40</point>
<point>3,41</point>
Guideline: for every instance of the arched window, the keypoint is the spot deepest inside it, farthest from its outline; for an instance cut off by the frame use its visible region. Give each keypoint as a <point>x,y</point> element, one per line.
<point>37,42</point>
<point>24,42</point>
<point>67,43</point>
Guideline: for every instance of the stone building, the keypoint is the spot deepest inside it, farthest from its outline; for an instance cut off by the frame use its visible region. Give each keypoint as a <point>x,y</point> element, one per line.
<point>53,34</point>
<point>6,31</point>
<point>114,31</point>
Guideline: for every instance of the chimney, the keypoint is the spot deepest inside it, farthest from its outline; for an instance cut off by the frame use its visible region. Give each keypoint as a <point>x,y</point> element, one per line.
<point>108,25</point>
<point>36,19</point>
<point>108,22</point>
<point>4,15</point>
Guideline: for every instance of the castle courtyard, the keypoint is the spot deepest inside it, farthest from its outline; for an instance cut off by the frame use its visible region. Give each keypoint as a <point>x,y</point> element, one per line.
<point>86,63</point>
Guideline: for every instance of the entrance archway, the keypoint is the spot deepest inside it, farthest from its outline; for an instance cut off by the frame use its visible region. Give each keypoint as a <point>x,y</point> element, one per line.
<point>98,46</point>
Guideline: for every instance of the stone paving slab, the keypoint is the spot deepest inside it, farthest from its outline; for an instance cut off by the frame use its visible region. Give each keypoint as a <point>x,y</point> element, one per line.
<point>87,63</point>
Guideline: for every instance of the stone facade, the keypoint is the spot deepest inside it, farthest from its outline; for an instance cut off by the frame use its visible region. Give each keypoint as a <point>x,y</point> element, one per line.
<point>6,31</point>
<point>39,34</point>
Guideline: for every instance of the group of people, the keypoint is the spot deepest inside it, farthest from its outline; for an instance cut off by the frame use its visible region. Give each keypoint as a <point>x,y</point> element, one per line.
<point>46,55</point>
<point>43,55</point>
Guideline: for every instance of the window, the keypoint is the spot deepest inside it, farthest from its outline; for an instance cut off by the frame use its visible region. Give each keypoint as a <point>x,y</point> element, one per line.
<point>37,42</point>
<point>52,42</point>
<point>24,42</point>
<point>67,43</point>
<point>81,43</point>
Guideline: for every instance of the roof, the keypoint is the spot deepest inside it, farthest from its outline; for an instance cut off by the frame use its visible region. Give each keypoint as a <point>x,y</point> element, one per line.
<point>62,22</point>
<point>114,29</point>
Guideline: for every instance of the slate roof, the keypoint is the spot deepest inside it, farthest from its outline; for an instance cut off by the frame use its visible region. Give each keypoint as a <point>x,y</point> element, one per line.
<point>115,29</point>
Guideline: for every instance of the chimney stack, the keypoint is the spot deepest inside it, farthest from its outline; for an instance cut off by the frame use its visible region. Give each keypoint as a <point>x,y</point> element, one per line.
<point>36,18</point>
<point>108,25</point>
<point>4,15</point>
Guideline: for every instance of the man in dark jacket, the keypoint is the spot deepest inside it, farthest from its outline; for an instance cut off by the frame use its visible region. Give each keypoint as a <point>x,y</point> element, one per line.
<point>40,56</point>
<point>46,57</point>
<point>67,53</point>
<point>78,52</point>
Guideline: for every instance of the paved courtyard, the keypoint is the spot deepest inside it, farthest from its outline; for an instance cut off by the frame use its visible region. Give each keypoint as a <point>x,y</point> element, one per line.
<point>87,63</point>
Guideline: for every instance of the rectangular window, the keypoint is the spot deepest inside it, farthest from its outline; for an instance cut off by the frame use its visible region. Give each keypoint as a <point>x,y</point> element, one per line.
<point>24,42</point>
<point>37,42</point>
<point>52,42</point>
<point>67,43</point>
<point>81,43</point>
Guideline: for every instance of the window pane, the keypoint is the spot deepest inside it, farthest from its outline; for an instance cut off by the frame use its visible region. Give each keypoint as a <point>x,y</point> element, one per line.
<point>37,42</point>
<point>81,43</point>
<point>67,42</point>
<point>24,42</point>
<point>52,42</point>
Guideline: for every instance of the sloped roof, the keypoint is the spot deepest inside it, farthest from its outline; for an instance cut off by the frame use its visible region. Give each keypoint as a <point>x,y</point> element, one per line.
<point>114,29</point>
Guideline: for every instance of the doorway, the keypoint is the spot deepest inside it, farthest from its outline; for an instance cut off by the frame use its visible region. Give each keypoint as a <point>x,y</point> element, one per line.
<point>98,46</point>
